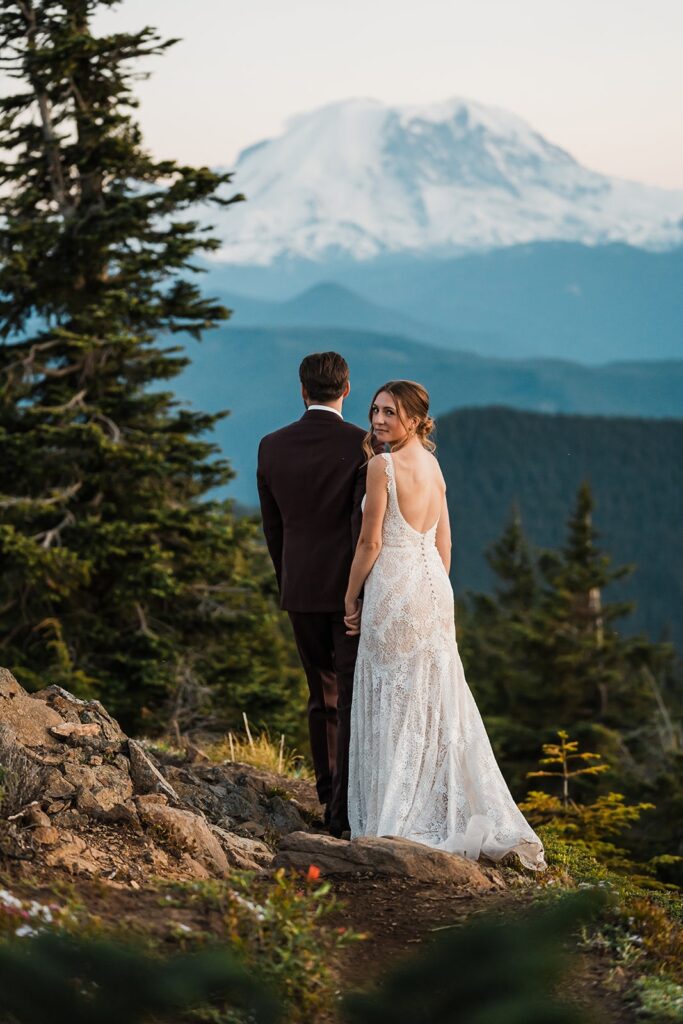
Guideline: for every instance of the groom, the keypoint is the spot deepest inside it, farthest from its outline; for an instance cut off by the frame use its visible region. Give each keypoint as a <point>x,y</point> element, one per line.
<point>311,481</point>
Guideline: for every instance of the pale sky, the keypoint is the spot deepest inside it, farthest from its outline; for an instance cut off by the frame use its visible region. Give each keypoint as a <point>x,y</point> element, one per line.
<point>601,78</point>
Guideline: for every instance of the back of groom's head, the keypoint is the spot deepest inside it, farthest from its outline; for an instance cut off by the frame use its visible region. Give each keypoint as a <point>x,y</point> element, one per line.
<point>324,376</point>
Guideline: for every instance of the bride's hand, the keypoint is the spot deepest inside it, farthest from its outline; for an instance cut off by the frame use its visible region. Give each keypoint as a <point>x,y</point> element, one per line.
<point>352,614</point>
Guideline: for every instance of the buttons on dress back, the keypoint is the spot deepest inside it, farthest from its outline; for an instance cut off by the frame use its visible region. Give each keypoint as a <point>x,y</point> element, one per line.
<point>425,560</point>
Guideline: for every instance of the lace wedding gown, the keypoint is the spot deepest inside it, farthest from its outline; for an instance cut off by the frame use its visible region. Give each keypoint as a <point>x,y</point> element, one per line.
<point>421,764</point>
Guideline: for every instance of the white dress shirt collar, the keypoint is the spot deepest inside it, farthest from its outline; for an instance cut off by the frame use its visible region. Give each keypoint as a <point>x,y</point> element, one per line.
<point>325,408</point>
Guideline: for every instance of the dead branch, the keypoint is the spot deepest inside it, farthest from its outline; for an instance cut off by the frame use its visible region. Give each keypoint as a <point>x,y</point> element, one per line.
<point>59,497</point>
<point>51,139</point>
<point>116,433</point>
<point>48,536</point>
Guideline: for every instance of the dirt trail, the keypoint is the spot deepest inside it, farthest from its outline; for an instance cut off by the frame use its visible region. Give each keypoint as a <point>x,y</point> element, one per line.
<point>401,917</point>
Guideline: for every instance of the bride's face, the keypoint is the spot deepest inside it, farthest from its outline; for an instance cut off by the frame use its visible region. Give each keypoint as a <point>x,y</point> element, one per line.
<point>386,422</point>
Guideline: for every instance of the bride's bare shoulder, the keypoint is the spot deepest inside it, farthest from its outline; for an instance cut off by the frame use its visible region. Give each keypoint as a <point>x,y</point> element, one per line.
<point>437,468</point>
<point>376,467</point>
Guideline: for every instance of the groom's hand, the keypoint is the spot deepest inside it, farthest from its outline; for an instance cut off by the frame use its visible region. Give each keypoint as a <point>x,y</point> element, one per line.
<point>352,614</point>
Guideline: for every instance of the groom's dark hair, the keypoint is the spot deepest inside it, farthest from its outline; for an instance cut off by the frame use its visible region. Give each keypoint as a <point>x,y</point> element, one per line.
<point>324,375</point>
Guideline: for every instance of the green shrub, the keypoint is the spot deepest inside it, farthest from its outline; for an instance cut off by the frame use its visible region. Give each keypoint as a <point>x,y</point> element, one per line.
<point>660,1000</point>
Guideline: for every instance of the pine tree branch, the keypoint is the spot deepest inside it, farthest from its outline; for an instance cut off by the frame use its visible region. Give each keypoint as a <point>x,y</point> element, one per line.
<point>75,400</point>
<point>28,361</point>
<point>60,497</point>
<point>116,432</point>
<point>48,536</point>
<point>144,627</point>
<point>52,142</point>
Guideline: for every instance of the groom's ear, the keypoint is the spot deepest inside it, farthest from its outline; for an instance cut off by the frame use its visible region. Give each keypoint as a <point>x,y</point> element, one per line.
<point>347,389</point>
<point>304,394</point>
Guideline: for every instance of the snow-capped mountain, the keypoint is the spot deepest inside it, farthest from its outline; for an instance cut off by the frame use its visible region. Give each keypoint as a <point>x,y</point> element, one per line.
<point>358,179</point>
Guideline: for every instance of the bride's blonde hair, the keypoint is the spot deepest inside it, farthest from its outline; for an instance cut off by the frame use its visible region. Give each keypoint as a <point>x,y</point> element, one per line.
<point>412,402</point>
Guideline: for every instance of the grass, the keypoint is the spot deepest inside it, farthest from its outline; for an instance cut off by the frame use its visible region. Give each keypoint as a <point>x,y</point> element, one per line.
<point>260,751</point>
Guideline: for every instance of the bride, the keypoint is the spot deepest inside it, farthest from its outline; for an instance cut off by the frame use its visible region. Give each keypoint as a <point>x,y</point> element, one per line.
<point>421,764</point>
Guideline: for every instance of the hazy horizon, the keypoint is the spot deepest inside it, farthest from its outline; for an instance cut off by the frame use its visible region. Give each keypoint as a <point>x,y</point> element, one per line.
<point>602,81</point>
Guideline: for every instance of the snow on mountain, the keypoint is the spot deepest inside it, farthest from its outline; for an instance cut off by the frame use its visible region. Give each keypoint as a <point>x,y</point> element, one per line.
<point>358,179</point>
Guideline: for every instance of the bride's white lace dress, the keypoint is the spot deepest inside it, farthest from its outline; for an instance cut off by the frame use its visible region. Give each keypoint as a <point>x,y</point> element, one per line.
<point>421,764</point>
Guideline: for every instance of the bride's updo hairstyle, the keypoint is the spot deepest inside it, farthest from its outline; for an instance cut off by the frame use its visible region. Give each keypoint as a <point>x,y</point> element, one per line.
<point>412,402</point>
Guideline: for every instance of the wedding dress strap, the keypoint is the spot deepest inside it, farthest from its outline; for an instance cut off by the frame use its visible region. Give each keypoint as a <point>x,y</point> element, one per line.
<point>389,469</point>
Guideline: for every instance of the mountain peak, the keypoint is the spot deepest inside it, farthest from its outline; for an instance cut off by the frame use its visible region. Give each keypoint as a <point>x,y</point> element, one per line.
<point>356,179</point>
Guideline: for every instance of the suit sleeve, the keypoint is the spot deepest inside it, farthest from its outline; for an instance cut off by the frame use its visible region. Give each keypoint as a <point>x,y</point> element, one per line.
<point>271,517</point>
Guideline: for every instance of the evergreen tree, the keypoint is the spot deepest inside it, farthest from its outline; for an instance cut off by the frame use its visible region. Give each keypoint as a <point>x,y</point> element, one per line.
<point>543,653</point>
<point>511,560</point>
<point>495,630</point>
<point>118,578</point>
<point>593,668</point>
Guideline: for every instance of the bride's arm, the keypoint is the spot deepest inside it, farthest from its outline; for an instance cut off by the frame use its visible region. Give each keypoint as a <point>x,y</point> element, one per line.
<point>443,537</point>
<point>370,540</point>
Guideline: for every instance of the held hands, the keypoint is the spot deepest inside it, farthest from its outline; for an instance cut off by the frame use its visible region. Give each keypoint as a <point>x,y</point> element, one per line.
<point>352,613</point>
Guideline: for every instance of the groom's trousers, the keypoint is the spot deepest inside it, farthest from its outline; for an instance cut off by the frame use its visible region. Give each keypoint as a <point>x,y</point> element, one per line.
<point>328,657</point>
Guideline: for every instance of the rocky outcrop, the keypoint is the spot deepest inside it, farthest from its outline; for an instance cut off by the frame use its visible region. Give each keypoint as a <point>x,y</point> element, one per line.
<point>385,855</point>
<point>89,799</point>
<point>86,798</point>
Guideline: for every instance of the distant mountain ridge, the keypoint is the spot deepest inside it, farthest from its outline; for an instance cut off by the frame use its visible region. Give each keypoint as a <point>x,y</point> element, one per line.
<point>549,299</point>
<point>253,372</point>
<point>328,304</point>
<point>357,179</point>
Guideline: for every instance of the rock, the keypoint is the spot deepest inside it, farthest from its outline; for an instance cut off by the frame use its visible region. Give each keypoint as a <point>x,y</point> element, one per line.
<point>31,720</point>
<point>146,776</point>
<point>80,776</point>
<point>57,786</point>
<point>46,835</point>
<point>243,853</point>
<point>57,806</point>
<point>253,828</point>
<point>158,859</point>
<point>284,816</point>
<point>34,816</point>
<point>102,792</point>
<point>239,807</point>
<point>69,818</point>
<point>111,776</point>
<point>151,798</point>
<point>384,855</point>
<point>83,769</point>
<point>193,868</point>
<point>190,832</point>
<point>106,805</point>
<point>72,854</point>
<point>257,780</point>
<point>76,732</point>
<point>193,753</point>
<point>85,711</point>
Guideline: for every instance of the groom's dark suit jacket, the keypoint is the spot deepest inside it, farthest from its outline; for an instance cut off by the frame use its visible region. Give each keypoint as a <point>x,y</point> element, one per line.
<point>311,481</point>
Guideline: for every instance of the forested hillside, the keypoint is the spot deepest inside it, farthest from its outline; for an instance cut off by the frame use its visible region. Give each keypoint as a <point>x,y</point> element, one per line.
<point>495,457</point>
<point>252,371</point>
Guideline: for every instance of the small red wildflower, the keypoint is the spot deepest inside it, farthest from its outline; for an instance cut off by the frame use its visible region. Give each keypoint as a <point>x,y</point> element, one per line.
<point>313,873</point>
